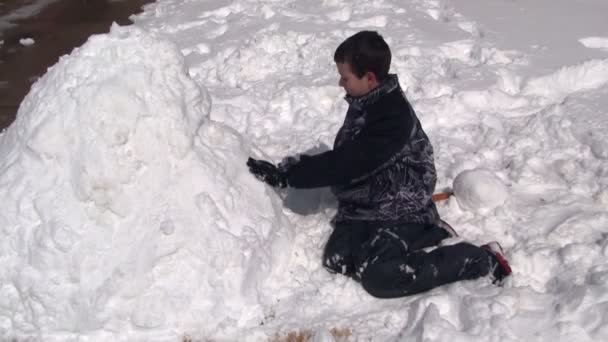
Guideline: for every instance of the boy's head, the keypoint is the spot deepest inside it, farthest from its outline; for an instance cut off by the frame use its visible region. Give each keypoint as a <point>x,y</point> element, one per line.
<point>363,62</point>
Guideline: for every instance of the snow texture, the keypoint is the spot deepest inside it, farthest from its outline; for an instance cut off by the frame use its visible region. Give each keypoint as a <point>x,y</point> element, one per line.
<point>129,214</point>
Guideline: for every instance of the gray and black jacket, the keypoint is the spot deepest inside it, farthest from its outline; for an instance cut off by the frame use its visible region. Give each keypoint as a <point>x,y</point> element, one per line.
<point>381,167</point>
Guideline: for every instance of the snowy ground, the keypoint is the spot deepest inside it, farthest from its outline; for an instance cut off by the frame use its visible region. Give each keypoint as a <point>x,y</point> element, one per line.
<point>129,215</point>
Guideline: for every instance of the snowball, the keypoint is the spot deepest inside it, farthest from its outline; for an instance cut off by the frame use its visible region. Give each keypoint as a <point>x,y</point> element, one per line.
<point>479,190</point>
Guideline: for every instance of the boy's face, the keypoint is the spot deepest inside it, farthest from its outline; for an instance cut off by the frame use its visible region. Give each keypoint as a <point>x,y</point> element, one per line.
<point>353,85</point>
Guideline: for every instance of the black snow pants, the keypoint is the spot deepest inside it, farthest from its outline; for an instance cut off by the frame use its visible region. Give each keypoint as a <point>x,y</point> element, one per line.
<point>389,260</point>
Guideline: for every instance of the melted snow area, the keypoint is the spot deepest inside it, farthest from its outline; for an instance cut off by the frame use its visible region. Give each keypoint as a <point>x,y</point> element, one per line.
<point>128,213</point>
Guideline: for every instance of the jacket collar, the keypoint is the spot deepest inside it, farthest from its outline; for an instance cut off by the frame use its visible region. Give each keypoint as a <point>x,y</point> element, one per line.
<point>388,85</point>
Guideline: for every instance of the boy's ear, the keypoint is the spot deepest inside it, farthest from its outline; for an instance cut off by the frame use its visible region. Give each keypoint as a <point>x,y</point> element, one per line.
<point>371,79</point>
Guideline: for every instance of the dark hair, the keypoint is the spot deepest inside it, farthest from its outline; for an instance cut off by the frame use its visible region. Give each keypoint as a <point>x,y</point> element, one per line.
<point>365,51</point>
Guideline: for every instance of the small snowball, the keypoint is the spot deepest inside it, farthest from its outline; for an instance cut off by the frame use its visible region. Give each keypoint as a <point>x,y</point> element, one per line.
<point>26,41</point>
<point>479,190</point>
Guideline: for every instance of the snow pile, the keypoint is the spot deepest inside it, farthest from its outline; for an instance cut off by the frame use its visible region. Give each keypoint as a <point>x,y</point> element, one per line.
<point>124,206</point>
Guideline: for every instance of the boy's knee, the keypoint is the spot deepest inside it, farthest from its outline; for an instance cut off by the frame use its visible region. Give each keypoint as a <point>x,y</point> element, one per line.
<point>372,288</point>
<point>382,284</point>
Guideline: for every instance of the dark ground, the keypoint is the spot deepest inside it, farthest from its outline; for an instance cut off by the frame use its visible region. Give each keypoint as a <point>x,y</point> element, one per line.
<point>57,29</point>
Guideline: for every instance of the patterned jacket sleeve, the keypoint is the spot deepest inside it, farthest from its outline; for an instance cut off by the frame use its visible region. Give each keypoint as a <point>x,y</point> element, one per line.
<point>379,140</point>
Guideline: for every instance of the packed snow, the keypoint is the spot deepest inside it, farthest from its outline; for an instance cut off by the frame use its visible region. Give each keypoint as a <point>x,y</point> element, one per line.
<point>129,213</point>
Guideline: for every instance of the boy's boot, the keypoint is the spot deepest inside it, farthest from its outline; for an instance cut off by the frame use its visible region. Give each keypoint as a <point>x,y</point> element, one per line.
<point>499,267</point>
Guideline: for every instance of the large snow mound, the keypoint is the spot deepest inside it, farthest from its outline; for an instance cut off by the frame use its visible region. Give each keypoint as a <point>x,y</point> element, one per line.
<point>119,198</point>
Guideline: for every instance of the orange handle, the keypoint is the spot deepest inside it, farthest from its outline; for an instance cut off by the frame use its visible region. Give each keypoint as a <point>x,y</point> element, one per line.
<point>440,196</point>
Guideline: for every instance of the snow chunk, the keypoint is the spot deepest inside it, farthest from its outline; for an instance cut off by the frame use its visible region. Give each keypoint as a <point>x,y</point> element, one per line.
<point>479,190</point>
<point>119,199</point>
<point>595,43</point>
<point>26,41</point>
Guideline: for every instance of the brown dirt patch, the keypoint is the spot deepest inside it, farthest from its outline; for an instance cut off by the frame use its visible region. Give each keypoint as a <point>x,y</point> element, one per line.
<point>56,30</point>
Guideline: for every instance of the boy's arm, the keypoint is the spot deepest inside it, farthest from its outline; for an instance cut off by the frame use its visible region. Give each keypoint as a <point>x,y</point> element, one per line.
<point>353,160</point>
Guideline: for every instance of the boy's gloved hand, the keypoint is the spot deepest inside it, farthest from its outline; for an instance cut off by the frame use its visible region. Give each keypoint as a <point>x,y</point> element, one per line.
<point>287,163</point>
<point>267,172</point>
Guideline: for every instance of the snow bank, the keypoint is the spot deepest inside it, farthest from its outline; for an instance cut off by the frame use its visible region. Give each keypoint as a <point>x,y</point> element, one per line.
<point>585,76</point>
<point>124,207</point>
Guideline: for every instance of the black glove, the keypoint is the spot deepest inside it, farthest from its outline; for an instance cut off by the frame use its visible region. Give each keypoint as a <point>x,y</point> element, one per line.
<point>267,172</point>
<point>287,163</point>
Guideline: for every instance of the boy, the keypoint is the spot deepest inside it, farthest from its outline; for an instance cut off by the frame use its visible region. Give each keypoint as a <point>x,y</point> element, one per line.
<point>382,171</point>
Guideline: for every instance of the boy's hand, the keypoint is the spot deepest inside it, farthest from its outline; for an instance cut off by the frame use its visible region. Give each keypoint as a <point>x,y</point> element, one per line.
<point>267,172</point>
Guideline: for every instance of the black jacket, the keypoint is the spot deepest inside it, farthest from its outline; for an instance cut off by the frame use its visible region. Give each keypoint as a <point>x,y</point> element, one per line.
<point>381,167</point>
